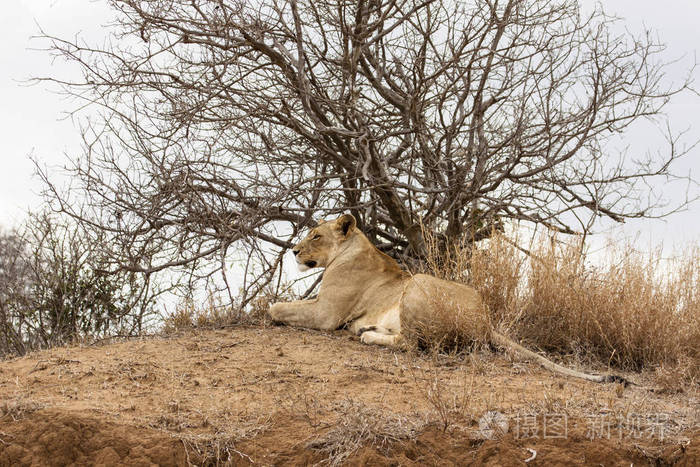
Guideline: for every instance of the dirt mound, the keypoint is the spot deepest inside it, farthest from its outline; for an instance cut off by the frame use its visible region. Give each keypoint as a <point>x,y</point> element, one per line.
<point>55,437</point>
<point>434,447</point>
<point>283,396</point>
<point>50,437</point>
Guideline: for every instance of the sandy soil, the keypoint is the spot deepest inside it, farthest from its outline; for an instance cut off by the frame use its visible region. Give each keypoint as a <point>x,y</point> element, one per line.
<point>277,395</point>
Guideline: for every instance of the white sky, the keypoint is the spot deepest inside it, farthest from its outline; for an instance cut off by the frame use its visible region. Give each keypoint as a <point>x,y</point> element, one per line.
<point>32,119</point>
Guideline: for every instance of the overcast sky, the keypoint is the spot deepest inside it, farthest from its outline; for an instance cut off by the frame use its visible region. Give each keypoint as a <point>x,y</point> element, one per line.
<point>32,119</point>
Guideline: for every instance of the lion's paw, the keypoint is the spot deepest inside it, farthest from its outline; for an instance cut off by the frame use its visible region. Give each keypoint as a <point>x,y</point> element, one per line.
<point>276,312</point>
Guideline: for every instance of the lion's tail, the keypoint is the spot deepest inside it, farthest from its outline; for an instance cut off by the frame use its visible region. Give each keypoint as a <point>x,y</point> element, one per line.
<point>509,344</point>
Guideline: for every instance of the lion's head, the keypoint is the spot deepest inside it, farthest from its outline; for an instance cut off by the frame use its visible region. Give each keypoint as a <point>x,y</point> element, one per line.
<point>321,244</point>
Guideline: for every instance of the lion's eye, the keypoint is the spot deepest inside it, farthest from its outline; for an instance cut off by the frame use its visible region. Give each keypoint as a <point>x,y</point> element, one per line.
<point>316,237</point>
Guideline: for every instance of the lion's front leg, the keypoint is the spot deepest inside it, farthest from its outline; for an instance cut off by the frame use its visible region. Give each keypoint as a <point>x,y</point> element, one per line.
<point>305,314</point>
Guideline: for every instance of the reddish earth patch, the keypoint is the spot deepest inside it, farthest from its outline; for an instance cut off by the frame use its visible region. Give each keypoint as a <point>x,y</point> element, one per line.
<point>54,437</point>
<point>268,396</point>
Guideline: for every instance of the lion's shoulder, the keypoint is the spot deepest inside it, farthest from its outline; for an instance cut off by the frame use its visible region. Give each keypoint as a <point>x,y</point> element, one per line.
<point>363,251</point>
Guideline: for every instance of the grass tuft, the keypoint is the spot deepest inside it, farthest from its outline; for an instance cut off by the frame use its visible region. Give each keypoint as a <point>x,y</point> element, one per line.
<point>18,408</point>
<point>360,426</point>
<point>214,314</point>
<point>629,311</point>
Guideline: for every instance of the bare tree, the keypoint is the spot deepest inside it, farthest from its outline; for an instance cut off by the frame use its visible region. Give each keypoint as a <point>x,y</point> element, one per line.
<point>228,124</point>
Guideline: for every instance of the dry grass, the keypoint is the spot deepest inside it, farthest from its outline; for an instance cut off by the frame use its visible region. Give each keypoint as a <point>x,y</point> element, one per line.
<point>221,449</point>
<point>627,312</point>
<point>18,408</point>
<point>450,405</point>
<point>210,315</point>
<point>633,311</point>
<point>214,314</point>
<point>497,271</point>
<point>360,426</point>
<point>671,378</point>
<point>452,327</point>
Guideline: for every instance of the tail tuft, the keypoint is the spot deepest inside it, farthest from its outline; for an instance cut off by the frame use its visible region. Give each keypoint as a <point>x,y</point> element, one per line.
<point>617,379</point>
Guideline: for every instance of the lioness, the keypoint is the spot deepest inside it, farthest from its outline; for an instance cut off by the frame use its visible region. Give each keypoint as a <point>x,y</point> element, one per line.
<point>366,291</point>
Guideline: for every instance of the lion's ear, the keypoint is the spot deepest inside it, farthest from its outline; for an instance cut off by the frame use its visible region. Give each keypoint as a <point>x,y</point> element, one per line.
<point>320,221</point>
<point>346,223</point>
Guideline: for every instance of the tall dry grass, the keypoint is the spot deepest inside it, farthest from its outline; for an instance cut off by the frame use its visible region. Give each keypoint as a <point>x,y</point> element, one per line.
<point>215,313</point>
<point>451,328</point>
<point>189,314</point>
<point>630,311</point>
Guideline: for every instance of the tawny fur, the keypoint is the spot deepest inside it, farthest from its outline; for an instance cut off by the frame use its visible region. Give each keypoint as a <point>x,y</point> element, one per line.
<point>366,291</point>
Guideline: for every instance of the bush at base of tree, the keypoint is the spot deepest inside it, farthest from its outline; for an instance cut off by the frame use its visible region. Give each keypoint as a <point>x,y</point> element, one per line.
<point>52,290</point>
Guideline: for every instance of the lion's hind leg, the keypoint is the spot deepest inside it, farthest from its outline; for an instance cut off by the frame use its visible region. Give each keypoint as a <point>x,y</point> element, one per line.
<point>378,335</point>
